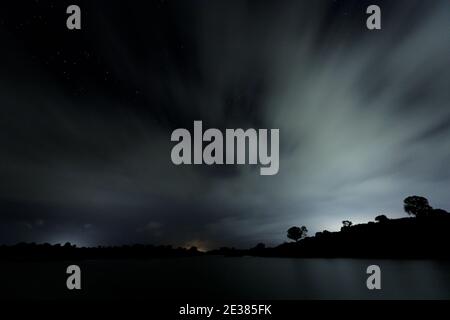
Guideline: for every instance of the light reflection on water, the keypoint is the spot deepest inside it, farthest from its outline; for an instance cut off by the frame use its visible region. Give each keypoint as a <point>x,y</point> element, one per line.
<point>230,278</point>
<point>267,278</point>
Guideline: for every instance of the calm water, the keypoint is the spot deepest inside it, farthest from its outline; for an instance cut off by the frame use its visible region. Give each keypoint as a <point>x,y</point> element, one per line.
<point>230,278</point>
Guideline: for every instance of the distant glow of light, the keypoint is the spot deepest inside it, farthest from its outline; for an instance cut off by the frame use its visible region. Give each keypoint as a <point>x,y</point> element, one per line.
<point>72,239</point>
<point>199,244</point>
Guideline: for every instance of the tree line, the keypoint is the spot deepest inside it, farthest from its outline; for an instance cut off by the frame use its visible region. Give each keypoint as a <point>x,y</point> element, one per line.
<point>415,206</point>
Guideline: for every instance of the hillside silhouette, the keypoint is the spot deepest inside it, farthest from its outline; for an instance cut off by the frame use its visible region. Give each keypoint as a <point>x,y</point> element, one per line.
<point>424,234</point>
<point>421,237</point>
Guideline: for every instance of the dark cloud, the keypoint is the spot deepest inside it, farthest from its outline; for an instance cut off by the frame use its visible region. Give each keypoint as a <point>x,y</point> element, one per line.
<point>86,117</point>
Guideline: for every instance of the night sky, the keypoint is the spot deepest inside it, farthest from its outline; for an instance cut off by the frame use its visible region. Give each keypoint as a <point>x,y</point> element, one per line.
<point>86,117</point>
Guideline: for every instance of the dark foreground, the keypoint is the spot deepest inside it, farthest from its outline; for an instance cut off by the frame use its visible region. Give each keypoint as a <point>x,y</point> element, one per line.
<point>220,278</point>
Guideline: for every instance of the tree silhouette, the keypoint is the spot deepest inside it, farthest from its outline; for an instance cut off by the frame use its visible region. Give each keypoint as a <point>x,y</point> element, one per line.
<point>381,218</point>
<point>304,231</point>
<point>417,206</point>
<point>296,233</point>
<point>347,223</point>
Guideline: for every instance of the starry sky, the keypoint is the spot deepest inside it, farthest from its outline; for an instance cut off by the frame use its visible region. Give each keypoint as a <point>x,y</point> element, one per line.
<point>86,117</point>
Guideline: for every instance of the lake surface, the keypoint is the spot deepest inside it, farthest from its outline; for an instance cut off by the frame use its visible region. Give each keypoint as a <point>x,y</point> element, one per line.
<point>228,278</point>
